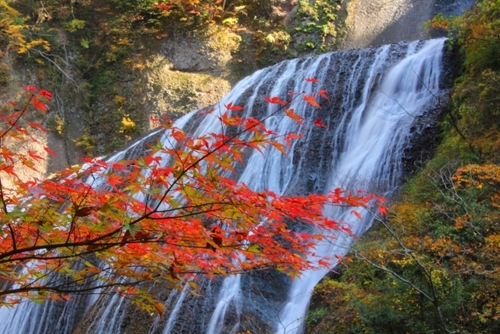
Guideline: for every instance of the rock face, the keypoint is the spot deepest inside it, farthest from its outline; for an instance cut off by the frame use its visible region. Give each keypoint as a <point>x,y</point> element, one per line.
<point>189,70</point>
<point>175,76</point>
<point>376,22</point>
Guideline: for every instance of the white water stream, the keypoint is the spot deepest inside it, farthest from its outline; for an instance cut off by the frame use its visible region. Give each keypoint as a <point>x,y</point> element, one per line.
<point>376,135</point>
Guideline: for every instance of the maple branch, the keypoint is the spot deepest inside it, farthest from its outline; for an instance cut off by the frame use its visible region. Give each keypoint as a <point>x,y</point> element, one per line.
<point>184,171</point>
<point>393,273</point>
<point>14,123</point>
<point>190,214</point>
<point>217,148</point>
<point>60,290</point>
<point>44,55</point>
<point>62,225</point>
<point>4,206</point>
<point>434,299</point>
<point>73,219</point>
<point>2,197</point>
<point>82,290</point>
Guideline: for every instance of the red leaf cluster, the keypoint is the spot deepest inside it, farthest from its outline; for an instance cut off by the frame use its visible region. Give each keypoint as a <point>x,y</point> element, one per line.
<point>171,215</point>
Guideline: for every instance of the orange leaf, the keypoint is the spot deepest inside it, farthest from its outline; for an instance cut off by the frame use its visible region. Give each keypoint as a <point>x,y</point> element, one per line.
<point>311,79</point>
<point>230,120</point>
<point>275,100</point>
<point>114,180</point>
<point>160,308</point>
<point>279,147</point>
<point>324,95</point>
<point>292,136</point>
<point>164,7</point>
<point>311,100</point>
<point>294,116</point>
<point>356,213</point>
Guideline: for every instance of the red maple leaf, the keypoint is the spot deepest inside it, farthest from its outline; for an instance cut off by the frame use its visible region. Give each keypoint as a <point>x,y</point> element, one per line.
<point>324,95</point>
<point>39,105</point>
<point>49,151</point>
<point>46,94</point>
<point>319,123</point>
<point>311,79</point>
<point>35,155</point>
<point>164,7</point>
<point>37,126</point>
<point>115,181</point>
<point>30,88</point>
<point>382,210</point>
<point>230,106</point>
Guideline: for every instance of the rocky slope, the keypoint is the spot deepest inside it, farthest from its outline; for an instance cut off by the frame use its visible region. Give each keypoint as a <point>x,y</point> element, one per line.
<point>375,22</point>
<point>101,80</point>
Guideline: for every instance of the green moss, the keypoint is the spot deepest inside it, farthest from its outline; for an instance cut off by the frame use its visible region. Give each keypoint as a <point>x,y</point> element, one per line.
<point>323,20</point>
<point>4,75</point>
<point>74,25</point>
<point>106,43</point>
<point>87,143</point>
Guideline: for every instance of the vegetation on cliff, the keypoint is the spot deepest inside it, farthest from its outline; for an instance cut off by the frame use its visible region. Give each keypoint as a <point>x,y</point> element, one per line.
<point>101,57</point>
<point>434,265</point>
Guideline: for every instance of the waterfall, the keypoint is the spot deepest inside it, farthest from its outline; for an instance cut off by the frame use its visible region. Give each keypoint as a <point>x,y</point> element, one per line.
<point>373,147</point>
<point>375,97</point>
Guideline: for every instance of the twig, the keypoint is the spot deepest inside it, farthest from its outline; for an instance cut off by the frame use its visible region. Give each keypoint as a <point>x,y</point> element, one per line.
<point>44,55</point>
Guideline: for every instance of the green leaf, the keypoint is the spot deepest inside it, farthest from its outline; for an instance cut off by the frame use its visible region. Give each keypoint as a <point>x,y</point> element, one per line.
<point>254,248</point>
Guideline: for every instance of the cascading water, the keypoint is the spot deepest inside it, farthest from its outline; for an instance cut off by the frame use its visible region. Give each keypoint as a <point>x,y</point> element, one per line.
<point>375,97</point>
<point>372,153</point>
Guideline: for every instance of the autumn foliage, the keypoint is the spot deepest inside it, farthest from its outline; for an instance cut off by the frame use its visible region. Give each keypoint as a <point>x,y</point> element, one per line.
<point>169,216</point>
<point>433,266</point>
